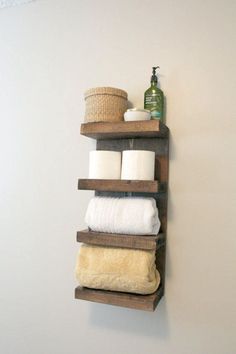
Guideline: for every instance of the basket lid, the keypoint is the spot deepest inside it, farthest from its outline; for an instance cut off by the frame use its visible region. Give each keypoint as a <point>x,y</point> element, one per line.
<point>106,91</point>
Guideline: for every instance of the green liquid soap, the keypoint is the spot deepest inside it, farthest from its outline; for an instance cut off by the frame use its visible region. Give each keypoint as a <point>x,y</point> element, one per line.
<point>154,98</point>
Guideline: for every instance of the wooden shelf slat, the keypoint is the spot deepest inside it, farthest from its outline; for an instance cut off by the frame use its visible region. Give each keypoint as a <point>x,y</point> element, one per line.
<point>119,130</point>
<point>134,301</point>
<point>117,185</point>
<point>121,240</point>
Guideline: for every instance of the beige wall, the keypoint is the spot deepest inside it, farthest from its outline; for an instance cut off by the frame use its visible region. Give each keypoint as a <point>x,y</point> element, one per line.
<point>50,53</point>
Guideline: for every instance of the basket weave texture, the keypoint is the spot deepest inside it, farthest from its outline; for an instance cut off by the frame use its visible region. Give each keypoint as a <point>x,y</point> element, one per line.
<point>105,104</point>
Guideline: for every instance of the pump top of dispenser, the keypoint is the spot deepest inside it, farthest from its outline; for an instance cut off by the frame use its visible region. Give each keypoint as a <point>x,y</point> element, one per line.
<point>154,76</point>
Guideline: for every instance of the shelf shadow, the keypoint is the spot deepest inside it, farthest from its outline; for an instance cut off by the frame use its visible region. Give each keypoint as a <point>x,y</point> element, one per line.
<point>150,324</point>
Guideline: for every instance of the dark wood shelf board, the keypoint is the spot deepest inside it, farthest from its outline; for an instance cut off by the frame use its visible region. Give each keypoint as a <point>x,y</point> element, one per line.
<point>121,240</point>
<point>119,130</point>
<point>133,301</point>
<point>117,185</point>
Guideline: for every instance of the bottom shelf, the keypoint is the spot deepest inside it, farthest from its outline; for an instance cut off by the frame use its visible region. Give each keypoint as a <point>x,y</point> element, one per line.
<point>134,301</point>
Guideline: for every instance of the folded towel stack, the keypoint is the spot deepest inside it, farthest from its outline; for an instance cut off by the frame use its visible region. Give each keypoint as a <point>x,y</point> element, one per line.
<point>117,269</point>
<point>120,269</point>
<point>131,215</point>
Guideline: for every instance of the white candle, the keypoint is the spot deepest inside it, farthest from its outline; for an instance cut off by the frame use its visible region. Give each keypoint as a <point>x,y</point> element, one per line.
<point>138,165</point>
<point>104,164</point>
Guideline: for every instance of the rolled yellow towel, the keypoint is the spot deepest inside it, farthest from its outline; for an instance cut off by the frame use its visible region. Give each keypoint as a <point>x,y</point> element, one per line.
<point>117,269</point>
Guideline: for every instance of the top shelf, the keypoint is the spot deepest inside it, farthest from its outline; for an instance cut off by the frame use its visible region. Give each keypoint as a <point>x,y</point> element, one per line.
<point>119,130</point>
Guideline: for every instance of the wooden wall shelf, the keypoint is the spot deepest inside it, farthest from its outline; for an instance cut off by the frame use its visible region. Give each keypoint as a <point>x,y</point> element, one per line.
<point>117,185</point>
<point>121,240</point>
<point>133,301</point>
<point>121,130</point>
<point>139,135</point>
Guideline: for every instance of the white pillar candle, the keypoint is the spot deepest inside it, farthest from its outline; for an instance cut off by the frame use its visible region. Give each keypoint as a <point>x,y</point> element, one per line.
<point>138,165</point>
<point>104,164</point>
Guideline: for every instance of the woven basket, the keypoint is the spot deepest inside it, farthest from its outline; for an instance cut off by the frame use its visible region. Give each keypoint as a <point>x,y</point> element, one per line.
<point>105,104</point>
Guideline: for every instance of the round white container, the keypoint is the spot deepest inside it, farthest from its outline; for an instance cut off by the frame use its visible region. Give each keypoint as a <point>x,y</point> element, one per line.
<point>137,114</point>
<point>138,165</point>
<point>104,164</point>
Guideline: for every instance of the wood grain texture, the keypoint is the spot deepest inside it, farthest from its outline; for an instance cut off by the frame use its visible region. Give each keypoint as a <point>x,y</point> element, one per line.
<point>134,301</point>
<point>117,185</point>
<point>121,240</point>
<point>120,130</point>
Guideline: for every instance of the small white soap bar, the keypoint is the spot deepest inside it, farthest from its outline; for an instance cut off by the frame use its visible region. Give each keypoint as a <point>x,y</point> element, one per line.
<point>104,164</point>
<point>138,165</point>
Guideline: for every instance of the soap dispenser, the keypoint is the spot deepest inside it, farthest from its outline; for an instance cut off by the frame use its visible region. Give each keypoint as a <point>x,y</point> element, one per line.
<point>154,98</point>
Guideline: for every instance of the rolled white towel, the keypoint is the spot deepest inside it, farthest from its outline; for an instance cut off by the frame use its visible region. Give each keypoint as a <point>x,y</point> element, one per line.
<point>128,215</point>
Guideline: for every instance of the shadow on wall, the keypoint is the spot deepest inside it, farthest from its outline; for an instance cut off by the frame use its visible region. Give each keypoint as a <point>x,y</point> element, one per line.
<point>131,321</point>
